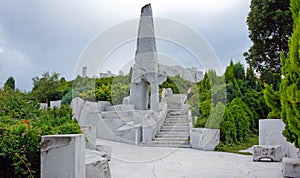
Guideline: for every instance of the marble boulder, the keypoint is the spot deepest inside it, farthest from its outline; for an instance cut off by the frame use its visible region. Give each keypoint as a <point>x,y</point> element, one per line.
<point>204,139</point>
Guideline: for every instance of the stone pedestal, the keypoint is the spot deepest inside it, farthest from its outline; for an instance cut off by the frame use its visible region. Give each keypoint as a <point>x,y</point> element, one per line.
<point>271,152</point>
<point>291,167</point>
<point>204,139</point>
<point>63,156</point>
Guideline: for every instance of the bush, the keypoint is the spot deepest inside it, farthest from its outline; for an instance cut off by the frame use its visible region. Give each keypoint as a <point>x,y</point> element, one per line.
<point>20,137</point>
<point>227,128</point>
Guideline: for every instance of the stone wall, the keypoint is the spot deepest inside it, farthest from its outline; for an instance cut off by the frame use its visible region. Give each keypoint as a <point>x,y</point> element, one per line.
<point>120,122</point>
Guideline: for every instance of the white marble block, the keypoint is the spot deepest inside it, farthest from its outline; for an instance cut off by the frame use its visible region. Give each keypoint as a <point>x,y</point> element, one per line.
<point>291,167</point>
<point>272,152</point>
<point>270,133</point>
<point>204,139</point>
<point>63,156</point>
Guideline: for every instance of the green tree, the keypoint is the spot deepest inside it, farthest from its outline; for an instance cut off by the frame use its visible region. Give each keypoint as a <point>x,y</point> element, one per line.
<point>257,105</point>
<point>10,83</point>
<point>239,71</point>
<point>290,85</point>
<point>227,128</point>
<point>273,101</point>
<point>243,119</point>
<point>270,25</point>
<point>46,88</point>
<point>251,80</point>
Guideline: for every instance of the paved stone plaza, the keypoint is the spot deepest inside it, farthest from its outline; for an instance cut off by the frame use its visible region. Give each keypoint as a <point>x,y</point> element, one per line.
<point>138,161</point>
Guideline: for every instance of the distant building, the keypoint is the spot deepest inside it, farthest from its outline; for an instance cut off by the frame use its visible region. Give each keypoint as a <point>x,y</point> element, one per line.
<point>189,74</point>
<point>107,74</point>
<point>84,71</point>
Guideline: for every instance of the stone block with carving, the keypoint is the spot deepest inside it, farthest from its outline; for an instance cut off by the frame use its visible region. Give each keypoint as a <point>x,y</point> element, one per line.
<point>271,152</point>
<point>290,167</point>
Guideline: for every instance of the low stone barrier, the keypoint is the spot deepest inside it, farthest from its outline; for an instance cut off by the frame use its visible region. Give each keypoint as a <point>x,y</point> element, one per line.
<point>271,152</point>
<point>65,156</point>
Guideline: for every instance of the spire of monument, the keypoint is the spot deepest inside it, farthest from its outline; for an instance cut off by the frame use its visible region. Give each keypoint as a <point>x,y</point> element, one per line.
<point>148,11</point>
<point>146,36</point>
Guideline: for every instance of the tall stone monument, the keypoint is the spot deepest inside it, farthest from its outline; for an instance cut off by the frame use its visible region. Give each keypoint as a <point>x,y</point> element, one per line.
<point>146,70</point>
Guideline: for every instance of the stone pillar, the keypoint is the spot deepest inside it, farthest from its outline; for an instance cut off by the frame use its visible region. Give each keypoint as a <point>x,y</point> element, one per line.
<point>146,69</point>
<point>63,156</point>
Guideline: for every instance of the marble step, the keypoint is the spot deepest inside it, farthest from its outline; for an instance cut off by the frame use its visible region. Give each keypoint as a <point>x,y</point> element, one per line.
<point>176,124</point>
<point>177,120</point>
<point>177,115</point>
<point>174,129</point>
<point>163,139</point>
<point>174,134</point>
<point>185,145</point>
<point>179,142</point>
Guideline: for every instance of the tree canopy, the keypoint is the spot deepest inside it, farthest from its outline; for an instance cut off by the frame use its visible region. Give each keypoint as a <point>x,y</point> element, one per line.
<point>270,25</point>
<point>49,87</point>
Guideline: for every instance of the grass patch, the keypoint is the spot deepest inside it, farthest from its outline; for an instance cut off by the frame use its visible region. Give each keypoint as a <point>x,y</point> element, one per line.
<point>235,148</point>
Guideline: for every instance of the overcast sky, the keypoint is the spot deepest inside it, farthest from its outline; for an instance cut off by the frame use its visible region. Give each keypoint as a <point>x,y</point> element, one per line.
<point>51,35</point>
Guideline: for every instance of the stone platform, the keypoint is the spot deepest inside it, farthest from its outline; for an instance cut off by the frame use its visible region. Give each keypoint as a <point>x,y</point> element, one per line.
<point>136,161</point>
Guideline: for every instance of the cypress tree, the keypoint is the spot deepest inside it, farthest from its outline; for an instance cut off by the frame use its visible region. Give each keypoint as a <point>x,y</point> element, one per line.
<point>290,85</point>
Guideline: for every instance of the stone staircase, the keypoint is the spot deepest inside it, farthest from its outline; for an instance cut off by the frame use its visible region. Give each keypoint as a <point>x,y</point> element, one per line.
<point>174,131</point>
